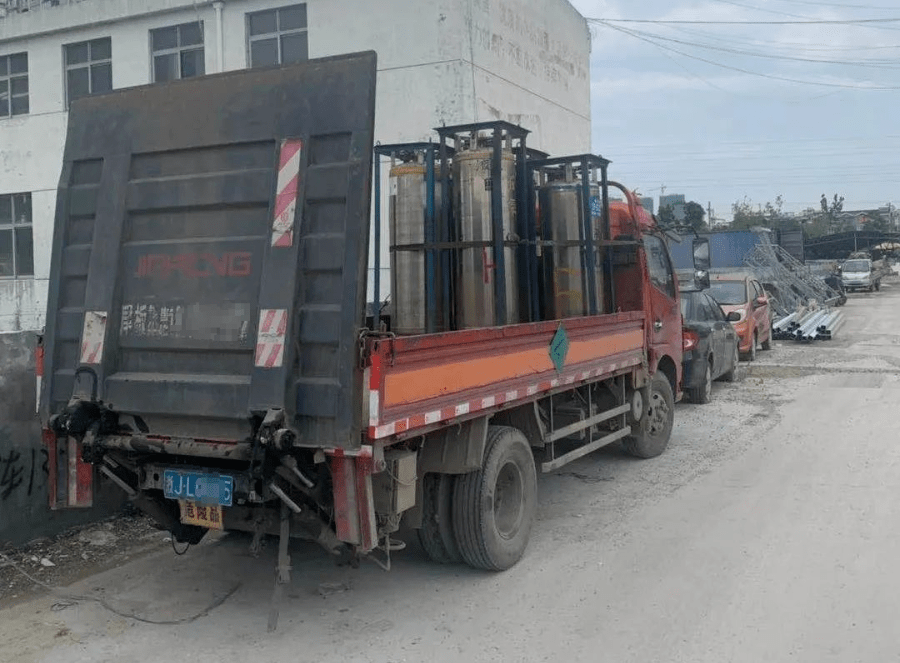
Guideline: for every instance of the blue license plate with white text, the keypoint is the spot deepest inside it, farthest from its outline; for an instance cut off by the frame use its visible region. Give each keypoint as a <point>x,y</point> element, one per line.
<point>199,487</point>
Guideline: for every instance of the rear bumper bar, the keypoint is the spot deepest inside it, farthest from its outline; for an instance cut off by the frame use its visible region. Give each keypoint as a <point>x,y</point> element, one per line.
<point>175,446</point>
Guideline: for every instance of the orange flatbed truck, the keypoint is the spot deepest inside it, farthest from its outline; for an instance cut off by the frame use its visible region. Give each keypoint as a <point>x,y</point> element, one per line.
<point>207,348</point>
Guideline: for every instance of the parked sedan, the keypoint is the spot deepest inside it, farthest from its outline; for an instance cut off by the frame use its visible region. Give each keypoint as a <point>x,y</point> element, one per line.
<point>745,296</point>
<point>710,345</point>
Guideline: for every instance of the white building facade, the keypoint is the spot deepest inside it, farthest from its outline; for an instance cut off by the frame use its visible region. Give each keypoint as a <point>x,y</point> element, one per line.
<point>439,61</point>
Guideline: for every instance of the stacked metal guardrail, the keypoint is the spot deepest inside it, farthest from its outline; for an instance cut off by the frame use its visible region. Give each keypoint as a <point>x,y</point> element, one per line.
<point>807,326</point>
<point>795,283</point>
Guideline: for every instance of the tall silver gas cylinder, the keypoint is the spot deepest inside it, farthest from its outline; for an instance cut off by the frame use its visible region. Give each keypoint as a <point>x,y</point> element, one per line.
<point>562,216</point>
<point>476,269</point>
<point>407,224</point>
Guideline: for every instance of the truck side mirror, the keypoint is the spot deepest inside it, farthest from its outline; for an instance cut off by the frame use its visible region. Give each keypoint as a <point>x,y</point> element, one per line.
<point>701,279</point>
<point>701,254</point>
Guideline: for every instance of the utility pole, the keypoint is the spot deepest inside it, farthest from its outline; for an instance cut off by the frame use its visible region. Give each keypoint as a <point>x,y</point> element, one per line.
<point>709,216</point>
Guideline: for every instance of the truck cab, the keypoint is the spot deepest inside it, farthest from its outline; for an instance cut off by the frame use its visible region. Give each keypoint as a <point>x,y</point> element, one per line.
<point>859,274</point>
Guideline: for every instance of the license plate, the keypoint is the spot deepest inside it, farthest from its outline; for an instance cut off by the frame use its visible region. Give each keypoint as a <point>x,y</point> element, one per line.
<point>206,489</point>
<point>201,514</point>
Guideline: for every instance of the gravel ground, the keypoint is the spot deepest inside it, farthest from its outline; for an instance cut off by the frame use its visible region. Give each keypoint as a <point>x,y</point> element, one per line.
<point>760,535</point>
<point>78,553</point>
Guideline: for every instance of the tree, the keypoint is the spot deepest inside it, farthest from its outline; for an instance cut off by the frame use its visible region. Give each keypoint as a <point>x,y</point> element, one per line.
<point>769,215</point>
<point>667,216</point>
<point>830,212</point>
<point>694,216</point>
<point>833,208</point>
<point>745,217</point>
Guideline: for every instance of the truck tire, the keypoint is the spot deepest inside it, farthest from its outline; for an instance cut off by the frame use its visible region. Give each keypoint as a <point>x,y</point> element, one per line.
<point>877,285</point>
<point>651,434</point>
<point>702,393</point>
<point>436,533</point>
<point>494,507</point>
<point>767,344</point>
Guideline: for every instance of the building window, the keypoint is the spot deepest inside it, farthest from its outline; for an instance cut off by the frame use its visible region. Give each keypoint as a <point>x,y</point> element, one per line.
<point>277,36</point>
<point>16,241</point>
<point>88,68</point>
<point>177,52</point>
<point>13,84</point>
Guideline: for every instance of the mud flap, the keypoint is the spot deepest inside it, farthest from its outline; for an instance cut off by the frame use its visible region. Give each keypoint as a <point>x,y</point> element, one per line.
<point>354,503</point>
<point>70,480</point>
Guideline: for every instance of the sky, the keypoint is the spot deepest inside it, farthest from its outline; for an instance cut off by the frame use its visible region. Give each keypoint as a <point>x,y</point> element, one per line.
<point>725,100</point>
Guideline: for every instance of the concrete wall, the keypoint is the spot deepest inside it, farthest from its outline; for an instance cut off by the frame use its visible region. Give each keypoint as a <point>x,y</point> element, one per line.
<point>440,62</point>
<point>24,514</point>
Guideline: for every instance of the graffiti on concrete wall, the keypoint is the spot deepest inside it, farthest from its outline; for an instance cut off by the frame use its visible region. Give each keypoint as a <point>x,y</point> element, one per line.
<point>22,471</point>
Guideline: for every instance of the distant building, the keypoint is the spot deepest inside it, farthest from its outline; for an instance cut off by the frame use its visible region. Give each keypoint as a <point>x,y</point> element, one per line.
<point>647,203</point>
<point>676,202</point>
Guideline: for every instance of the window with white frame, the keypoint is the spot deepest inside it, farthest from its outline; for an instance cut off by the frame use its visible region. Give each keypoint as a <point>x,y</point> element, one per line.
<point>277,36</point>
<point>13,84</point>
<point>16,239</point>
<point>88,68</point>
<point>177,52</point>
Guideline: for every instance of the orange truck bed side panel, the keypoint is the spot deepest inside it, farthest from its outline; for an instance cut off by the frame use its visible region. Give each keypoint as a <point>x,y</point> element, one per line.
<point>419,382</point>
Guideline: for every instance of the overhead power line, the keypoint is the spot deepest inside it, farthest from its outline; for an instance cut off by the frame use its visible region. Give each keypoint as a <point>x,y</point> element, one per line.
<point>857,21</point>
<point>652,40</point>
<point>839,4</point>
<point>737,51</point>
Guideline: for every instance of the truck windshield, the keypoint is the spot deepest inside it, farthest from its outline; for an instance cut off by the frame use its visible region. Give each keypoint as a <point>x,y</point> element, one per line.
<point>728,292</point>
<point>857,266</point>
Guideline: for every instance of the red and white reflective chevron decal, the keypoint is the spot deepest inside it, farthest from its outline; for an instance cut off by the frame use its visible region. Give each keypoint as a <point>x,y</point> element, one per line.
<point>270,339</point>
<point>93,335</point>
<point>286,193</point>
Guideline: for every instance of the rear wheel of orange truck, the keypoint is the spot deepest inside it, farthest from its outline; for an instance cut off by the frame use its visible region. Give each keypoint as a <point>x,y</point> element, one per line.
<point>436,533</point>
<point>650,436</point>
<point>494,507</point>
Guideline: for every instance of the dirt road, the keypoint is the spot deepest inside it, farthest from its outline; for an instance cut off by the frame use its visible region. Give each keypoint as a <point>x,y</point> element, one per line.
<point>769,531</point>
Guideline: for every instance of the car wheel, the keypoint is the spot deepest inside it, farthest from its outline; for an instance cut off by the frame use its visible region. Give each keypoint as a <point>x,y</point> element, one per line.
<point>702,393</point>
<point>731,374</point>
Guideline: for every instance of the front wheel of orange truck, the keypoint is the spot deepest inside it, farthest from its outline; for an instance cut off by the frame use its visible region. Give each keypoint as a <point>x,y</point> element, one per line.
<point>494,507</point>
<point>650,436</point>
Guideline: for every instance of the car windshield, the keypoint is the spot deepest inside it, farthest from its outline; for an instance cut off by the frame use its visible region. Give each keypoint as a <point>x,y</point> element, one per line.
<point>856,266</point>
<point>728,292</point>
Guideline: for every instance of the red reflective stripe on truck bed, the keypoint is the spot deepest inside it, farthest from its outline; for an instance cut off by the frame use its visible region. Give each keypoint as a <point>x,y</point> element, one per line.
<point>93,335</point>
<point>286,194</point>
<point>270,339</point>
